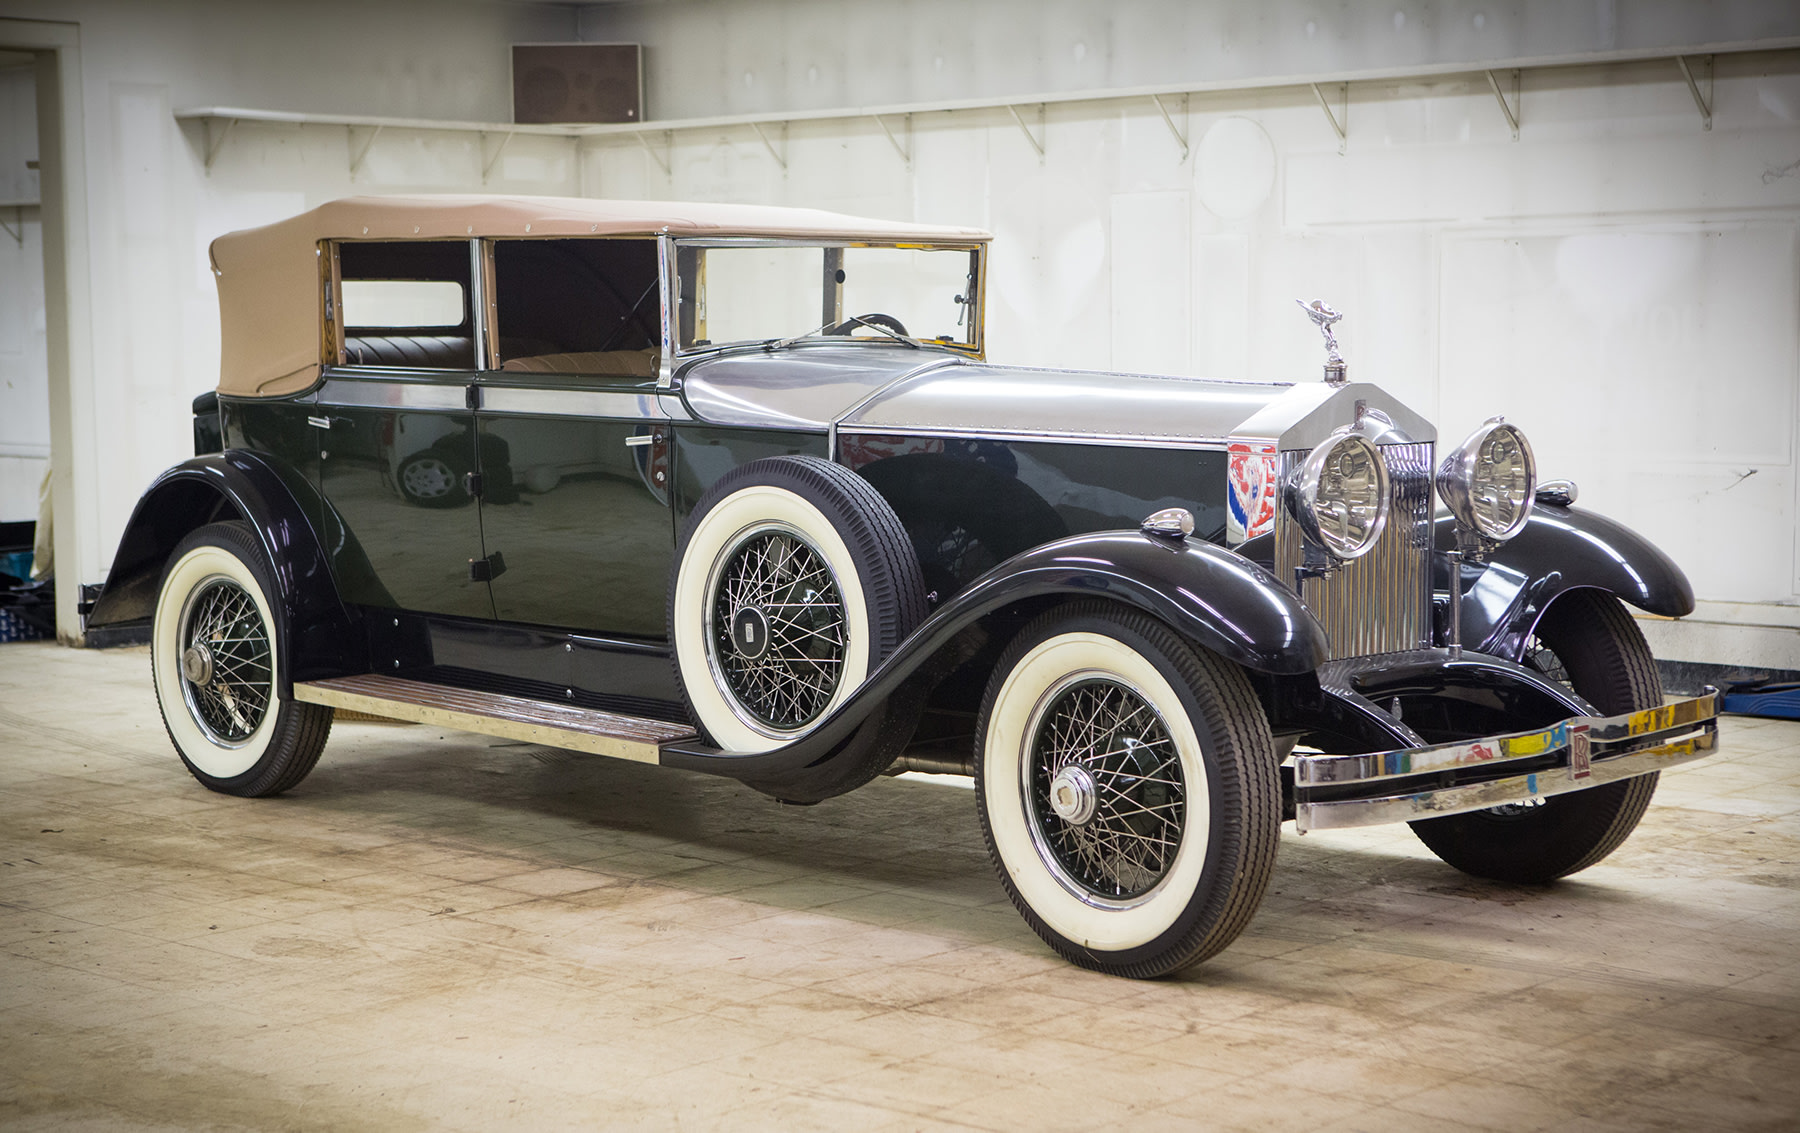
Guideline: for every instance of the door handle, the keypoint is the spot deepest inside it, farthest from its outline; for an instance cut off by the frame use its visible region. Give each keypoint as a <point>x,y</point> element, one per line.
<point>640,440</point>
<point>319,422</point>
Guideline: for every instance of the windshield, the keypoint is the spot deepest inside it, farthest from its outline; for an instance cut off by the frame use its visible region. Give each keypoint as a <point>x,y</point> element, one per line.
<point>759,293</point>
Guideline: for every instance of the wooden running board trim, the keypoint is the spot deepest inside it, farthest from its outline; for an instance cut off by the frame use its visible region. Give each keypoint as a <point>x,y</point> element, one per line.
<point>491,714</point>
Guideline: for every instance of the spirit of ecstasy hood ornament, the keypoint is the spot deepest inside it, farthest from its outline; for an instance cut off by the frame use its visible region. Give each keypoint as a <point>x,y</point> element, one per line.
<point>1323,317</point>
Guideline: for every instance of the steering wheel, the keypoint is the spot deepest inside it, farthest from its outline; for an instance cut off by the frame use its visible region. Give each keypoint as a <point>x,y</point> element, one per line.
<point>874,318</point>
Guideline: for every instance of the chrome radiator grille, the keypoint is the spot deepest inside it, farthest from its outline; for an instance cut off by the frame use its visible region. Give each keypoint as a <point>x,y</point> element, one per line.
<point>1380,603</point>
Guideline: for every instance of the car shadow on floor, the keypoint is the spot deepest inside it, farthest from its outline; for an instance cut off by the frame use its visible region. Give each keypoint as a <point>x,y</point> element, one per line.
<point>710,836</point>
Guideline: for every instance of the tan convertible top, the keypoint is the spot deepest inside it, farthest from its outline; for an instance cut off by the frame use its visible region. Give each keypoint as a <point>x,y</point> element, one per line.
<point>270,308</point>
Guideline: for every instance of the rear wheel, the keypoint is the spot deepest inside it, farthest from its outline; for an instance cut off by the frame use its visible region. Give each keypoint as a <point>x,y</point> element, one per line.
<point>215,661</point>
<point>1588,641</point>
<point>1128,790</point>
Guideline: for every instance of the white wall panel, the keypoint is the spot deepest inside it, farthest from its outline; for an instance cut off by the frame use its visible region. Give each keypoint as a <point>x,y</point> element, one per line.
<point>24,373</point>
<point>1654,367</point>
<point>1152,307</point>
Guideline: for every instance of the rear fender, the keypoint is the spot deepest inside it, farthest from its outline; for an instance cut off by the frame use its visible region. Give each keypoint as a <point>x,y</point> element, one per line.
<point>1560,549</point>
<point>1217,599</point>
<point>322,638</point>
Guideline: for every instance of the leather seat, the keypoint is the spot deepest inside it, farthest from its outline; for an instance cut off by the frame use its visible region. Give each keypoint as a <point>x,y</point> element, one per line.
<point>424,351</point>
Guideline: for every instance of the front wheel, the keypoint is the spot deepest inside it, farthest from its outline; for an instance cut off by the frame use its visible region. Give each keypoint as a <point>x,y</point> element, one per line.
<point>1128,789</point>
<point>1587,640</point>
<point>215,660</point>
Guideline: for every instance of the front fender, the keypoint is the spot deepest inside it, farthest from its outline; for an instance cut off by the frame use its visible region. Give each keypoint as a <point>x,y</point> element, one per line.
<point>1219,600</point>
<point>1560,549</point>
<point>321,637</point>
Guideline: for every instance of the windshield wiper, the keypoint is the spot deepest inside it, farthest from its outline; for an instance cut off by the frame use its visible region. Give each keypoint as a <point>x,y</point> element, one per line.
<point>782,343</point>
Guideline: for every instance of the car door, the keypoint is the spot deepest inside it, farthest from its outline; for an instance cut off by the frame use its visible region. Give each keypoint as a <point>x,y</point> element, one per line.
<point>573,439</point>
<point>397,432</point>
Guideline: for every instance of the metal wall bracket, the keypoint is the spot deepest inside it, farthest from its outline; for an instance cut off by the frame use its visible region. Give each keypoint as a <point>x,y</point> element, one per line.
<point>17,228</point>
<point>1036,144</point>
<point>668,145</point>
<point>1339,125</point>
<point>488,163</point>
<point>1180,138</point>
<point>213,145</point>
<point>1512,115</point>
<point>770,146</point>
<point>905,151</point>
<point>356,159</point>
<point>1703,102</point>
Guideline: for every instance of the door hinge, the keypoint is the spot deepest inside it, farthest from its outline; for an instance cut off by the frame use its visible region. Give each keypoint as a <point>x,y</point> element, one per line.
<point>488,569</point>
<point>472,397</point>
<point>472,484</point>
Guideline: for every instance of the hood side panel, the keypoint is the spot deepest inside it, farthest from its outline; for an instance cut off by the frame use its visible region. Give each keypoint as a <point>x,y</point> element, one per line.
<point>1021,401</point>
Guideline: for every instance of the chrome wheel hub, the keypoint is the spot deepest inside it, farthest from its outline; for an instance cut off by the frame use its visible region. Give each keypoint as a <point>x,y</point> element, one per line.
<point>197,664</point>
<point>1072,795</point>
<point>750,633</point>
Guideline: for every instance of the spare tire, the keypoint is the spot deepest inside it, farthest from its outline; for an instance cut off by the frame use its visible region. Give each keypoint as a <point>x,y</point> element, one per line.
<point>794,581</point>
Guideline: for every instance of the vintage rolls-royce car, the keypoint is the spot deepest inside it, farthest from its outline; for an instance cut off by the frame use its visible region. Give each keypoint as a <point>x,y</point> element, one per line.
<point>733,489</point>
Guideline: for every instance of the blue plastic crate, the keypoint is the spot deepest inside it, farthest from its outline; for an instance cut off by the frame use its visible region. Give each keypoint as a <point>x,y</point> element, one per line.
<point>15,628</point>
<point>17,564</point>
<point>1778,700</point>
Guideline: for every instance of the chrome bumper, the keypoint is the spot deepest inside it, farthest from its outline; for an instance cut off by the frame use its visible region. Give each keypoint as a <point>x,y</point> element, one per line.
<point>1429,782</point>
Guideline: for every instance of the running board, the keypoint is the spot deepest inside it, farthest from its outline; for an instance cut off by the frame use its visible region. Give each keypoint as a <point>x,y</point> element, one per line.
<point>491,714</point>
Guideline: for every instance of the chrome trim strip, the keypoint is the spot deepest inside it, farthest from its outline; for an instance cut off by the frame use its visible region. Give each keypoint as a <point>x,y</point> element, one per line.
<point>1316,770</point>
<point>478,304</point>
<point>665,266</point>
<point>1117,439</point>
<point>396,395</point>
<point>1500,792</point>
<point>526,401</point>
<point>890,241</point>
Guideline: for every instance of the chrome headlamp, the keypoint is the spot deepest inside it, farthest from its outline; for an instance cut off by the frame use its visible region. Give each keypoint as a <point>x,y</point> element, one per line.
<point>1339,494</point>
<point>1487,482</point>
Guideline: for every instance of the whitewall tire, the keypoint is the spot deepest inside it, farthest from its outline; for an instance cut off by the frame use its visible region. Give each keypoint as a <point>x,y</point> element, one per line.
<point>216,662</point>
<point>794,580</point>
<point>1128,789</point>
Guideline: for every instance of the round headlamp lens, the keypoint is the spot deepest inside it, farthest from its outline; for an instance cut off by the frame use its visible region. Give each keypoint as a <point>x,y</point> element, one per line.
<point>1488,482</point>
<point>1340,495</point>
<point>1502,482</point>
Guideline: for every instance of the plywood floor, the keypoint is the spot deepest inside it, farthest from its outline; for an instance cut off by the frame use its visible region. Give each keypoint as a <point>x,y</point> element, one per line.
<point>441,931</point>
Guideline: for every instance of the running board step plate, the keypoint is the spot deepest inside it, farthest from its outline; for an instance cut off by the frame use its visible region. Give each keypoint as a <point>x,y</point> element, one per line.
<point>491,714</point>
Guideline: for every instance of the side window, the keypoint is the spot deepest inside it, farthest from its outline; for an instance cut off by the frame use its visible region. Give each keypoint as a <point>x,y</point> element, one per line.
<point>407,304</point>
<point>578,306</point>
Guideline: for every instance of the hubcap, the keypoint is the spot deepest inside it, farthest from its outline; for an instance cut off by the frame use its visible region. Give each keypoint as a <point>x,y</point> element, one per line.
<point>750,633</point>
<point>196,664</point>
<point>226,662</point>
<point>1072,795</point>
<point>1104,789</point>
<point>776,633</point>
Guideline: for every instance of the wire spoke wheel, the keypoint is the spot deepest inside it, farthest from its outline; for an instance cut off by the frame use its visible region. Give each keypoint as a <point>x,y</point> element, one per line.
<point>1128,789</point>
<point>226,672</point>
<point>1105,789</point>
<point>216,663</point>
<point>1541,657</point>
<point>779,632</point>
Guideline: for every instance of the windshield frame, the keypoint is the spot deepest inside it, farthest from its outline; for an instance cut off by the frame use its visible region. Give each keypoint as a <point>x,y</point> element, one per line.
<point>676,256</point>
